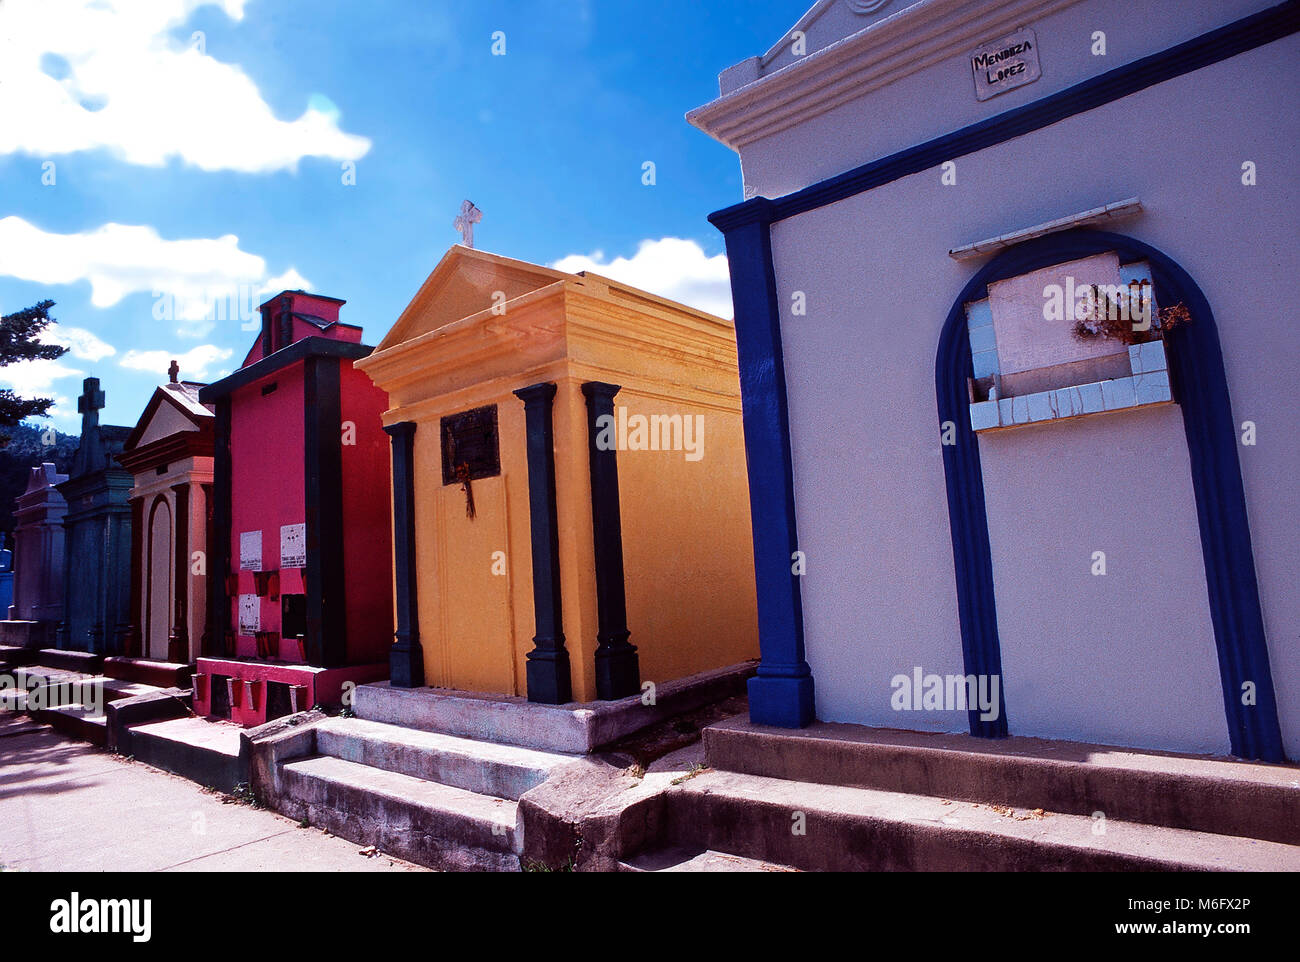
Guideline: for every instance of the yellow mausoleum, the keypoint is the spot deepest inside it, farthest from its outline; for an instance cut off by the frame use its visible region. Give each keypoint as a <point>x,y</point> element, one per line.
<point>588,533</point>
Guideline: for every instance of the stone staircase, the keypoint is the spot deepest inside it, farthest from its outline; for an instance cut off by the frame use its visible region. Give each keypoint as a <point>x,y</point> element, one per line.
<point>440,800</point>
<point>54,691</point>
<point>848,798</point>
<point>88,722</point>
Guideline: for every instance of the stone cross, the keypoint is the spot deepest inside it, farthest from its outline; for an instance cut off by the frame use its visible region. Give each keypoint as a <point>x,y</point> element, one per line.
<point>88,405</point>
<point>173,371</point>
<point>469,216</point>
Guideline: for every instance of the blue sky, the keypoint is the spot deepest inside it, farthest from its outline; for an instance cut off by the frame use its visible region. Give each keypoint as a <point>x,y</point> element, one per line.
<point>233,142</point>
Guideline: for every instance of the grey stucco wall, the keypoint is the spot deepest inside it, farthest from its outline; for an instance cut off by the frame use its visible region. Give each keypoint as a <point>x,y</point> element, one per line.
<point>1130,657</point>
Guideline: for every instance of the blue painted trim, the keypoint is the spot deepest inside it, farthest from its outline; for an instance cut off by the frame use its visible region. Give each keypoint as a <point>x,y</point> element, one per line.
<point>1203,51</point>
<point>981,650</point>
<point>1201,387</point>
<point>779,695</point>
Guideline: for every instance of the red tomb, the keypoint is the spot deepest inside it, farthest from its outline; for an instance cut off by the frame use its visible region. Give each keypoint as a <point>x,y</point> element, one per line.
<point>300,564</point>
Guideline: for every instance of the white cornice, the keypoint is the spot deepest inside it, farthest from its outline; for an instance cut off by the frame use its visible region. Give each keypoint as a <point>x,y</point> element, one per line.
<point>912,39</point>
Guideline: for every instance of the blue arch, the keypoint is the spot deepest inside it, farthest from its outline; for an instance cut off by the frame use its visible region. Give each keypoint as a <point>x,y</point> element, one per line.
<point>1199,383</point>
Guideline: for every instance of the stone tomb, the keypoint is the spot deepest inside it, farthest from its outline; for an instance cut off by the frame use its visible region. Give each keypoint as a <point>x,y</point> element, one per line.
<point>300,583</point>
<point>97,536</point>
<point>170,456</point>
<point>569,492</point>
<point>37,605</point>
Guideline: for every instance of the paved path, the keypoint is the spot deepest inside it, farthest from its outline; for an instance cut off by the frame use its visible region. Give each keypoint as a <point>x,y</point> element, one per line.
<point>66,806</point>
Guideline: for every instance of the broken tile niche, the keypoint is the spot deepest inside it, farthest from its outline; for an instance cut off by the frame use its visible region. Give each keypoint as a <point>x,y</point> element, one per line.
<point>1031,367</point>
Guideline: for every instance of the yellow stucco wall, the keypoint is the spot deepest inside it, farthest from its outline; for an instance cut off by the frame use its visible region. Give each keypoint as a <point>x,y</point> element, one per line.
<point>687,552</point>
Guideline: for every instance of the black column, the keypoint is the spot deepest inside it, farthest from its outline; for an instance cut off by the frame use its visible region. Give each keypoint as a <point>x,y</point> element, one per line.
<point>548,662</point>
<point>406,660</point>
<point>218,565</point>
<point>618,673</point>
<point>323,455</point>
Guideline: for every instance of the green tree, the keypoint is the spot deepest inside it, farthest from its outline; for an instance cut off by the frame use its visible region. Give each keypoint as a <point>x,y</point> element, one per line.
<point>19,333</point>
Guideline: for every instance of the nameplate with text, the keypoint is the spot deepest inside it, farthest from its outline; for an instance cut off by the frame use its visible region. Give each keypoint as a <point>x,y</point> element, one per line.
<point>1005,64</point>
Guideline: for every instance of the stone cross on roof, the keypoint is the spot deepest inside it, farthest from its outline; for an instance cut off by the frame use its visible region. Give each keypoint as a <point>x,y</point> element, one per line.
<point>89,404</point>
<point>173,371</point>
<point>469,216</point>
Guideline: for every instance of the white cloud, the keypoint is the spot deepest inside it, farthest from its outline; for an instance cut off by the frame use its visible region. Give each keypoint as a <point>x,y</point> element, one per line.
<point>290,280</point>
<point>670,267</point>
<point>190,280</point>
<point>35,378</point>
<point>80,342</point>
<point>193,363</point>
<point>83,74</point>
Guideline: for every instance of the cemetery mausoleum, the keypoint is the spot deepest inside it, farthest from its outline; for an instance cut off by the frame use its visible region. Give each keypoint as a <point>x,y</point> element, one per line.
<point>1012,286</point>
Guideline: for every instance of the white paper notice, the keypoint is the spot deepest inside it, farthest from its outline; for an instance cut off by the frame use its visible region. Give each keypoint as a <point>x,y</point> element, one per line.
<point>293,546</point>
<point>250,614</point>
<point>250,551</point>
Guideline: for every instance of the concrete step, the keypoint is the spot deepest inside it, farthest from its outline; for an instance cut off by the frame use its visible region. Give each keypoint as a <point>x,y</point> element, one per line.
<point>87,724</point>
<point>83,719</point>
<point>204,751</point>
<point>159,674</point>
<point>12,655</point>
<point>504,771</point>
<point>421,821</point>
<point>576,728</point>
<point>31,676</point>
<point>1198,793</point>
<point>52,690</point>
<point>26,634</point>
<point>34,687</point>
<point>818,827</point>
<point>689,859</point>
<point>87,662</point>
<point>118,688</point>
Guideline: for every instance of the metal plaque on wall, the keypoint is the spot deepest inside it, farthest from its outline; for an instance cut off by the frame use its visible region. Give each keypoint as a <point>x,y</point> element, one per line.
<point>469,442</point>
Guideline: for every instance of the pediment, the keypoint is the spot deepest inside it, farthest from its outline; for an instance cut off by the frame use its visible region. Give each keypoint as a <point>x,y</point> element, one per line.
<point>466,282</point>
<point>172,410</point>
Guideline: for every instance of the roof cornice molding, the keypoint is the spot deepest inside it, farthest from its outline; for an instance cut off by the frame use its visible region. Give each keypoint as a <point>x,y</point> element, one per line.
<point>174,447</point>
<point>910,40</point>
<point>297,351</point>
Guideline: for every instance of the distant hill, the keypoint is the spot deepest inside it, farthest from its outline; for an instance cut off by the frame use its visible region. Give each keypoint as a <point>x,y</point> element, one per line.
<point>25,450</point>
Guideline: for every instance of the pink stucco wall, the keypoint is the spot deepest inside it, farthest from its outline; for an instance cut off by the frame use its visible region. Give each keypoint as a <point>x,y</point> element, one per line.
<point>367,521</point>
<point>267,484</point>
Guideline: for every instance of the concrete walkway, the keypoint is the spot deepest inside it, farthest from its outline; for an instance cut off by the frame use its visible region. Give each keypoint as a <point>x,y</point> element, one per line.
<point>65,806</point>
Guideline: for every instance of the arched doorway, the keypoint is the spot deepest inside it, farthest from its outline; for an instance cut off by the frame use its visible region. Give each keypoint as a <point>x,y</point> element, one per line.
<point>159,578</point>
